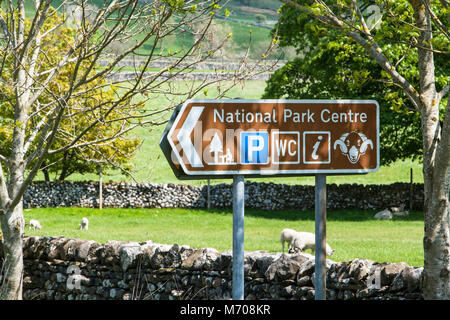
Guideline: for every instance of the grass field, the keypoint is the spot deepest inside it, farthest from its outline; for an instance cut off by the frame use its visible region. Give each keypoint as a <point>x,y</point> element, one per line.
<point>150,164</point>
<point>260,37</point>
<point>354,234</point>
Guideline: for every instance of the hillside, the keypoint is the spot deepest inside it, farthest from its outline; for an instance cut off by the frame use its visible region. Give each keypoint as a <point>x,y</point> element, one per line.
<point>250,22</point>
<point>259,11</point>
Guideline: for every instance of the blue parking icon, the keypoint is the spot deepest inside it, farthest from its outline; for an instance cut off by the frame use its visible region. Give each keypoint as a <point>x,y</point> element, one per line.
<point>254,147</point>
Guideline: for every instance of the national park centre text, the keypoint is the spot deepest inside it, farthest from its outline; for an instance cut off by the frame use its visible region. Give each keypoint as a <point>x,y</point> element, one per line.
<point>243,116</point>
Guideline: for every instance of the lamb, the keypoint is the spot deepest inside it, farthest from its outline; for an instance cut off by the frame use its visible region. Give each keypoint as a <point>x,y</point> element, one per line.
<point>34,224</point>
<point>307,240</point>
<point>287,235</point>
<point>84,225</point>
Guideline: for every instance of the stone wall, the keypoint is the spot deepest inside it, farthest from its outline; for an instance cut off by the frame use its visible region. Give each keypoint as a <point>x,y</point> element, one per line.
<point>61,268</point>
<point>266,196</point>
<point>217,65</point>
<point>222,76</point>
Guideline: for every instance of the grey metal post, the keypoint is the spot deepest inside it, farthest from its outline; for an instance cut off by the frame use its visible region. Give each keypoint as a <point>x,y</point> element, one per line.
<point>100,188</point>
<point>238,237</point>
<point>411,190</point>
<point>208,195</point>
<point>321,235</point>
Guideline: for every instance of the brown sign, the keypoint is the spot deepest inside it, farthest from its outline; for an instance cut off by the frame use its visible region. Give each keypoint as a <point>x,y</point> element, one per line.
<point>273,137</point>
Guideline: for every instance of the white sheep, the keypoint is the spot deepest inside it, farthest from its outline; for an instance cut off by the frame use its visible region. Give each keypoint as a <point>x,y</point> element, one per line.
<point>34,224</point>
<point>286,236</point>
<point>84,225</point>
<point>307,240</point>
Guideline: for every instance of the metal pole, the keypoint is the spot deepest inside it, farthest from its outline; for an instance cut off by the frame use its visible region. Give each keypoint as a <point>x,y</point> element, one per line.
<point>411,190</point>
<point>208,195</point>
<point>238,237</point>
<point>321,235</point>
<point>100,188</point>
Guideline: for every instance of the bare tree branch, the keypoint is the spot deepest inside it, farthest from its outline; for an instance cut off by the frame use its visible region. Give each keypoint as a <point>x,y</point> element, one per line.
<point>436,20</point>
<point>443,92</point>
<point>371,47</point>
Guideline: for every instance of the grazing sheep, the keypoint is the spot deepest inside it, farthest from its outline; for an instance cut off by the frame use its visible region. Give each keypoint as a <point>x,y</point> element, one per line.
<point>401,208</point>
<point>307,240</point>
<point>386,214</point>
<point>399,211</point>
<point>34,224</point>
<point>286,236</point>
<point>84,225</point>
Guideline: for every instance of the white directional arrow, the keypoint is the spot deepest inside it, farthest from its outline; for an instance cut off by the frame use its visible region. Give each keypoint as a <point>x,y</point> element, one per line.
<point>184,136</point>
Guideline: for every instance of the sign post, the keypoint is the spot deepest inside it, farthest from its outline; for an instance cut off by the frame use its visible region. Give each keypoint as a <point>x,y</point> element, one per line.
<point>207,139</point>
<point>238,237</point>
<point>321,235</point>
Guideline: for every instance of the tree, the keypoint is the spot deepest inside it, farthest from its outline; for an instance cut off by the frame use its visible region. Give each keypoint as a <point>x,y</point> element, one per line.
<point>260,18</point>
<point>116,154</point>
<point>50,117</point>
<point>217,31</point>
<point>331,67</point>
<point>422,27</point>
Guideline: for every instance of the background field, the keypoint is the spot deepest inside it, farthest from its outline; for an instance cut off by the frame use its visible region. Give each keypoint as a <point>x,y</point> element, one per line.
<point>241,21</point>
<point>354,234</point>
<point>150,165</point>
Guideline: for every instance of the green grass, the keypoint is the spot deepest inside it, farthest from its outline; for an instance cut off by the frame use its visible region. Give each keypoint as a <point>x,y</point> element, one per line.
<point>354,234</point>
<point>149,162</point>
<point>151,165</point>
<point>260,37</point>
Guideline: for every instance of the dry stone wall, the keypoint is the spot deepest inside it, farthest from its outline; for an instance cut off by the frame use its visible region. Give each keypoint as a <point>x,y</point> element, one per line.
<point>222,76</point>
<point>266,196</point>
<point>211,65</point>
<point>58,268</point>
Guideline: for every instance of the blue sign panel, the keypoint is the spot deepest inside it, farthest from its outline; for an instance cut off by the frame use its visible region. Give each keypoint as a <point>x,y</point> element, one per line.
<point>254,147</point>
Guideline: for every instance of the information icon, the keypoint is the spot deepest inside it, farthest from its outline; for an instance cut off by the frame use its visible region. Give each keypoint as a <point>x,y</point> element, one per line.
<point>316,147</point>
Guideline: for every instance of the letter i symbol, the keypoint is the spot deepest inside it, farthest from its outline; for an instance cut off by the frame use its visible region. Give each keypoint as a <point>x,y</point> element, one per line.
<point>315,147</point>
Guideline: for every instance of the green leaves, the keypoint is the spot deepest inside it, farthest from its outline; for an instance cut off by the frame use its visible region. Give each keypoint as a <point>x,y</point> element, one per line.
<point>90,103</point>
<point>330,65</point>
<point>192,9</point>
<point>176,5</point>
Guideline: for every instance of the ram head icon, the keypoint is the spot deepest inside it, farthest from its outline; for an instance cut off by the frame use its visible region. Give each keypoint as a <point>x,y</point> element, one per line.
<point>353,145</point>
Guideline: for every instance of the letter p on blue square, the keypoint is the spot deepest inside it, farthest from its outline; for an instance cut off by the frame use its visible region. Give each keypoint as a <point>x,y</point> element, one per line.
<point>254,147</point>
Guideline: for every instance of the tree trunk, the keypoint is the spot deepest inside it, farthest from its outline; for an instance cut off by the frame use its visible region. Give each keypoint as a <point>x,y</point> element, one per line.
<point>436,242</point>
<point>46,175</point>
<point>12,228</point>
<point>65,163</point>
<point>436,274</point>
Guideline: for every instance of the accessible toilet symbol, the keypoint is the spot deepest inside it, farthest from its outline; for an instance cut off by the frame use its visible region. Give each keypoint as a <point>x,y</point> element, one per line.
<point>316,147</point>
